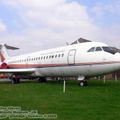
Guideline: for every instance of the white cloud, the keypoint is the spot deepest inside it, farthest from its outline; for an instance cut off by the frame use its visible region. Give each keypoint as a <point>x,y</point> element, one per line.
<point>111,35</point>
<point>52,23</point>
<point>2,27</point>
<point>101,9</point>
<point>34,3</point>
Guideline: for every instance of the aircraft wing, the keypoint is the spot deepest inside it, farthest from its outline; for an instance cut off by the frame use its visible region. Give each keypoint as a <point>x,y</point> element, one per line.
<point>28,70</point>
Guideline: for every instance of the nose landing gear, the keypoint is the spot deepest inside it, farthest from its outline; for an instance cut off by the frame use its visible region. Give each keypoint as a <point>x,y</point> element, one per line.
<point>82,80</point>
<point>83,83</point>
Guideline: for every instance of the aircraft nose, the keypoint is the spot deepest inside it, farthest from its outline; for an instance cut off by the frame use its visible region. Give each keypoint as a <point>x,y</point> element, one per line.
<point>117,57</point>
<point>117,61</point>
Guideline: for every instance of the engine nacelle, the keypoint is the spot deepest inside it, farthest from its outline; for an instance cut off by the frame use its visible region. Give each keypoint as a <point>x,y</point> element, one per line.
<point>4,66</point>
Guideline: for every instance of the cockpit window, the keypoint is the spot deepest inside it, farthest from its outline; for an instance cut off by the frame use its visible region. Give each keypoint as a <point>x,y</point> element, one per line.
<point>116,49</point>
<point>91,49</point>
<point>108,49</point>
<point>111,50</point>
<point>98,49</point>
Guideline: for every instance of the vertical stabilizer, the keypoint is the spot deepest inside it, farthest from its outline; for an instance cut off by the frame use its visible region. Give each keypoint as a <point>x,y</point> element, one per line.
<point>3,51</point>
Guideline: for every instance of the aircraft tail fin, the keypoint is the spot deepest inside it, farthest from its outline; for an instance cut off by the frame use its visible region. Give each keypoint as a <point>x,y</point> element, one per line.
<point>3,51</point>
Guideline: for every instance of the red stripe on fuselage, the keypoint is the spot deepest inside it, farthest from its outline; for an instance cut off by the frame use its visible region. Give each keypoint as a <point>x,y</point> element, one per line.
<point>58,65</point>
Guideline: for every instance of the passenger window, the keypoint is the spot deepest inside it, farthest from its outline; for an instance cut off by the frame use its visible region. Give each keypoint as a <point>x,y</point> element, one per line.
<point>59,55</point>
<point>52,56</point>
<point>98,49</point>
<point>55,56</point>
<point>91,49</point>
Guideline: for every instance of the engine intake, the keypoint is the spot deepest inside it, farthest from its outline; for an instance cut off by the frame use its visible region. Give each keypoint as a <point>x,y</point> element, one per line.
<point>4,66</point>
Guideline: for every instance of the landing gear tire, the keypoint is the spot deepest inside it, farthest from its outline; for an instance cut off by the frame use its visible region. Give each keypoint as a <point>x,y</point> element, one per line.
<point>42,80</point>
<point>83,83</point>
<point>15,80</point>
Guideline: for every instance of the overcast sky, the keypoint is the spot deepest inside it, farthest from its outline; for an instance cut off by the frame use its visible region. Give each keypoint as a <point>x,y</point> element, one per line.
<point>36,25</point>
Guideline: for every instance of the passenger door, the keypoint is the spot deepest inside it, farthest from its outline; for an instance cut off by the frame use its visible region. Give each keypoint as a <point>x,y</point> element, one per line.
<point>71,56</point>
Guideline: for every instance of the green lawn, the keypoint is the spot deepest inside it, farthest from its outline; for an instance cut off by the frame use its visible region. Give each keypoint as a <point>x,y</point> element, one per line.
<point>98,101</point>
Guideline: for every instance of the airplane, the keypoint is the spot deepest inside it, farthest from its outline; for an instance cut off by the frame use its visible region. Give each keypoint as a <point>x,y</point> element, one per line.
<point>83,60</point>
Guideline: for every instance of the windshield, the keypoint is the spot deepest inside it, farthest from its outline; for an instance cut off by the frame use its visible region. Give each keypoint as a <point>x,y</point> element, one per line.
<point>111,50</point>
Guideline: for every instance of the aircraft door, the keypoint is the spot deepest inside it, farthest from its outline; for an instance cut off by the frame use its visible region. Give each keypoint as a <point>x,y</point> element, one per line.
<point>28,61</point>
<point>71,56</point>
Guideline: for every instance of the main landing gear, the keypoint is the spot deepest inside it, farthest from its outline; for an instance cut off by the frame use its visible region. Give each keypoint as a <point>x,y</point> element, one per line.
<point>42,79</point>
<point>15,79</point>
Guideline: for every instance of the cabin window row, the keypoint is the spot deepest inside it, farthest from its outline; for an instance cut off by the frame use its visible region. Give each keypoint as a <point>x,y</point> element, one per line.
<point>41,58</point>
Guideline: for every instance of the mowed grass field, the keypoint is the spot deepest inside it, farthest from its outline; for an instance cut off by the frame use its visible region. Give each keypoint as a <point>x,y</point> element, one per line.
<point>98,101</point>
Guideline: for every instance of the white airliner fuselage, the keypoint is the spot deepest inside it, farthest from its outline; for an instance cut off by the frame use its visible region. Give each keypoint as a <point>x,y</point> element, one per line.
<point>79,60</point>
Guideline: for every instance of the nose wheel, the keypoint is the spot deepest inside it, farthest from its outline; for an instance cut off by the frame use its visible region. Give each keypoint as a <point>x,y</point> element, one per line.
<point>83,83</point>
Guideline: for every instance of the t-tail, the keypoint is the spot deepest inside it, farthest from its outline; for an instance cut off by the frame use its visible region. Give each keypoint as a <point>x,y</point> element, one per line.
<point>3,51</point>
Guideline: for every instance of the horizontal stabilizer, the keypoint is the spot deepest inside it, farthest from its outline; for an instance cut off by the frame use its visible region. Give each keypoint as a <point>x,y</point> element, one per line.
<point>11,47</point>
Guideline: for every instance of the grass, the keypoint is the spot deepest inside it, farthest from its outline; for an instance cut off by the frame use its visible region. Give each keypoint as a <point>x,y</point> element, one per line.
<point>98,101</point>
